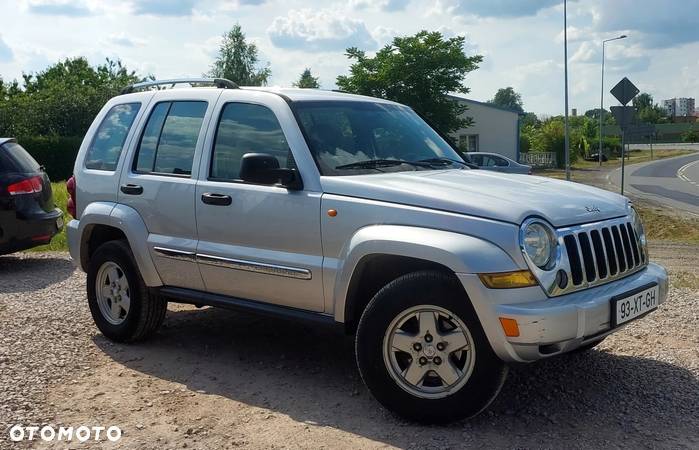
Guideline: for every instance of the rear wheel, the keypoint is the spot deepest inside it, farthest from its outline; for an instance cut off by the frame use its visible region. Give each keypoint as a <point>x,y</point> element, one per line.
<point>422,352</point>
<point>121,305</point>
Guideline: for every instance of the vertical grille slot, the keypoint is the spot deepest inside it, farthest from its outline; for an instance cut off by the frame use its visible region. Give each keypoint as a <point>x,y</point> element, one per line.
<point>611,254</point>
<point>573,258</point>
<point>587,257</point>
<point>627,246</point>
<point>599,254</point>
<point>619,249</point>
<point>634,247</point>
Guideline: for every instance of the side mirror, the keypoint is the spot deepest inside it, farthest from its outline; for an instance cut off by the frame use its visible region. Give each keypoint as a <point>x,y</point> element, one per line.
<point>262,168</point>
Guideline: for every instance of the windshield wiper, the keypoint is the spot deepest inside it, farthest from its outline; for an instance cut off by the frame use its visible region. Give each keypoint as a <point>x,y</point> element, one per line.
<point>445,161</point>
<point>376,163</point>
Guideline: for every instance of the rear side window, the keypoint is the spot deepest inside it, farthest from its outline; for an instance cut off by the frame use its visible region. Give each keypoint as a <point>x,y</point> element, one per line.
<point>170,138</point>
<point>14,158</point>
<point>108,142</point>
<point>247,128</point>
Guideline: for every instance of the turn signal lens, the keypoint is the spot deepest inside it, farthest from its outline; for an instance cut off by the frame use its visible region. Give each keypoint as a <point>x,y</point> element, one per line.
<point>509,326</point>
<point>508,280</point>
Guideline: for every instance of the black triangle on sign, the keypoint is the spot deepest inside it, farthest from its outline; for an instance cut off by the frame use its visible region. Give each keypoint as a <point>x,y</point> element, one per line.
<point>624,91</point>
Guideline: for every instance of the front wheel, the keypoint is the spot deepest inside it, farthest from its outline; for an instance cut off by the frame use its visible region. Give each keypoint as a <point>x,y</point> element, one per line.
<point>422,352</point>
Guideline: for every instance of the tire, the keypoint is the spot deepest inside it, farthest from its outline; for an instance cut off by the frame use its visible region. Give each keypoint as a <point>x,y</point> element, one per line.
<point>587,347</point>
<point>482,374</point>
<point>130,321</point>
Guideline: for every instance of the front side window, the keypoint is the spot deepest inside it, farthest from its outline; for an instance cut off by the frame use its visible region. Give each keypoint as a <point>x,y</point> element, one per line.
<point>170,138</point>
<point>246,128</point>
<point>352,137</point>
<point>106,146</point>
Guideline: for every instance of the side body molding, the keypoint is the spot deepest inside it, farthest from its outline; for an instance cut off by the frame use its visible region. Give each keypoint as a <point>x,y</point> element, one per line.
<point>459,252</point>
<point>123,218</point>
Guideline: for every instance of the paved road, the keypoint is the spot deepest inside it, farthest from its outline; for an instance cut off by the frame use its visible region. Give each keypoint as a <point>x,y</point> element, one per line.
<point>673,181</point>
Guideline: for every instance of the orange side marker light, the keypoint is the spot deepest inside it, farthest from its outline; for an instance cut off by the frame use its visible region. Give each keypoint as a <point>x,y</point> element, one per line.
<point>332,212</point>
<point>510,327</point>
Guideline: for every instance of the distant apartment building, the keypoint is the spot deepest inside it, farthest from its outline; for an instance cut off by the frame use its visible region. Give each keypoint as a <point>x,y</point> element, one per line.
<point>679,107</point>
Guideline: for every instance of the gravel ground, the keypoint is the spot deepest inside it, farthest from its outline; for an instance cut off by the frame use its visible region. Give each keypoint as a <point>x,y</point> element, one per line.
<point>215,379</point>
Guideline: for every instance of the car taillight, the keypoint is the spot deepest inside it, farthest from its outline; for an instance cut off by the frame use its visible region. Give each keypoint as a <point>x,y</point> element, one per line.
<point>70,187</point>
<point>31,185</point>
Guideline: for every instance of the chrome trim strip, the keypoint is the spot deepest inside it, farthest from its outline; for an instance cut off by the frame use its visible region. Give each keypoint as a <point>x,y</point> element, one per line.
<point>172,253</point>
<point>257,267</point>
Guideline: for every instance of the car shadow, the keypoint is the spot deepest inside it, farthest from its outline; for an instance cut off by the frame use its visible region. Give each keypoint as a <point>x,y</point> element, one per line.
<point>275,364</point>
<point>29,272</point>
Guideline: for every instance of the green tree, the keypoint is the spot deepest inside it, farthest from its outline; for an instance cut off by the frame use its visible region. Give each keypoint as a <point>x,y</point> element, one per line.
<point>418,71</point>
<point>238,60</point>
<point>530,119</point>
<point>647,111</point>
<point>63,99</point>
<point>508,98</point>
<point>307,80</point>
<point>550,137</point>
<point>691,135</point>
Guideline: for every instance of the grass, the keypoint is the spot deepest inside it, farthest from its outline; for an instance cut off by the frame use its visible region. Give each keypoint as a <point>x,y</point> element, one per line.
<point>60,241</point>
<point>668,227</point>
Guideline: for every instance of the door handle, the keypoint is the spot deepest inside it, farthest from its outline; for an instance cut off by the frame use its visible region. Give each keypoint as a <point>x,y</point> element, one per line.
<point>131,189</point>
<point>216,199</point>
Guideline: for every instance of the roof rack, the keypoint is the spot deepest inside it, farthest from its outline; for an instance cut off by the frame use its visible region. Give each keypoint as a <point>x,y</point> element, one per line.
<point>220,83</point>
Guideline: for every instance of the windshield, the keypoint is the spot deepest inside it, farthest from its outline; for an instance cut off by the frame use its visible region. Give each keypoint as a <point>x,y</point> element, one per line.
<point>352,137</point>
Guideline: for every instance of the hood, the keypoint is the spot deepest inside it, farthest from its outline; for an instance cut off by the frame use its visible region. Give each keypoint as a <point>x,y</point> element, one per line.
<point>493,195</point>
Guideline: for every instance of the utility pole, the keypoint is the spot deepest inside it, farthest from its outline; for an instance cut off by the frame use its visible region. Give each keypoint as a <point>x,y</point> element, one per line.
<point>565,56</point>
<point>601,97</point>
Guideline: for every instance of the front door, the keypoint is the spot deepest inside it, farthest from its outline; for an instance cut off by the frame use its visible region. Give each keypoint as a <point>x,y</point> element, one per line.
<point>256,242</point>
<point>160,182</point>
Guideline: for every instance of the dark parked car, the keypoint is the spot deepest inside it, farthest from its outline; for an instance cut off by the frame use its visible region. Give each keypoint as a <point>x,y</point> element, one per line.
<point>28,215</point>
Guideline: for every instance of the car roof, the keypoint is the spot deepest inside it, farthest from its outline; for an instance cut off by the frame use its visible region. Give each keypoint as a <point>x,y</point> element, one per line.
<point>291,94</point>
<point>4,140</point>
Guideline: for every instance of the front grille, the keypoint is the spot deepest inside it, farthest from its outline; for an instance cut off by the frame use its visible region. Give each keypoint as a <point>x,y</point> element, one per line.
<point>602,251</point>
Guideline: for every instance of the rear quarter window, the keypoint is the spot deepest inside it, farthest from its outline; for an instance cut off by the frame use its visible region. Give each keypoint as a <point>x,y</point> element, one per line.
<point>14,158</point>
<point>108,142</point>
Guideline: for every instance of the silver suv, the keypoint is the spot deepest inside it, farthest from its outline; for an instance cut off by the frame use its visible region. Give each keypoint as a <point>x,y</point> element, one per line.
<point>351,211</point>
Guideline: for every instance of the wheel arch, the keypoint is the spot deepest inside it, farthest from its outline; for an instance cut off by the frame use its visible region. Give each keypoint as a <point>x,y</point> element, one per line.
<point>379,254</point>
<point>105,221</point>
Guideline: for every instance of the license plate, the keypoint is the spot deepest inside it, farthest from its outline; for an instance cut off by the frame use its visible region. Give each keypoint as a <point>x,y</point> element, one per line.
<point>629,306</point>
<point>59,223</point>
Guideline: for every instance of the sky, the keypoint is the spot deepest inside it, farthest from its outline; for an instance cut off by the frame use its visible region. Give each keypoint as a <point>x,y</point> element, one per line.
<point>521,41</point>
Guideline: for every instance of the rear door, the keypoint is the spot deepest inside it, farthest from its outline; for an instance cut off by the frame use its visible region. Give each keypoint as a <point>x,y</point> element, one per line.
<point>160,180</point>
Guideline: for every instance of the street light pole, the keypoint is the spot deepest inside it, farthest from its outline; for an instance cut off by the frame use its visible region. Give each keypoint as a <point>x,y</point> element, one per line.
<point>601,97</point>
<point>565,56</point>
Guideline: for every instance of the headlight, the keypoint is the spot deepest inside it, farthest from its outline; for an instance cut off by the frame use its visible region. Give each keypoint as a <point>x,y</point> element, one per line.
<point>638,227</point>
<point>539,243</point>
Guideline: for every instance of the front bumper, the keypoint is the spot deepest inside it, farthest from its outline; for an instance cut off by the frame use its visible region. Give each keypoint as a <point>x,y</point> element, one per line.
<point>550,326</point>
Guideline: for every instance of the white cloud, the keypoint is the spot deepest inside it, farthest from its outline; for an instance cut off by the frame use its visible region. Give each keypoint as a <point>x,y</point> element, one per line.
<point>59,8</point>
<point>124,40</point>
<point>6,54</point>
<point>319,30</point>
<point>655,24</point>
<point>495,8</point>
<point>380,5</point>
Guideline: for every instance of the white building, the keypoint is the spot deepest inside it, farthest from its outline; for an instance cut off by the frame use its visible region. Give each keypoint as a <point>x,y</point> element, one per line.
<point>682,106</point>
<point>494,129</point>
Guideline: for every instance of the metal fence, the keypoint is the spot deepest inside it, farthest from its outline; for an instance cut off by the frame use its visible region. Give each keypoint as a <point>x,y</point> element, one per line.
<point>539,159</point>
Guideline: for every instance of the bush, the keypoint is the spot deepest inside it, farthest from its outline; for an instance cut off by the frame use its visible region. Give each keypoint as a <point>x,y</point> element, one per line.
<point>56,153</point>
